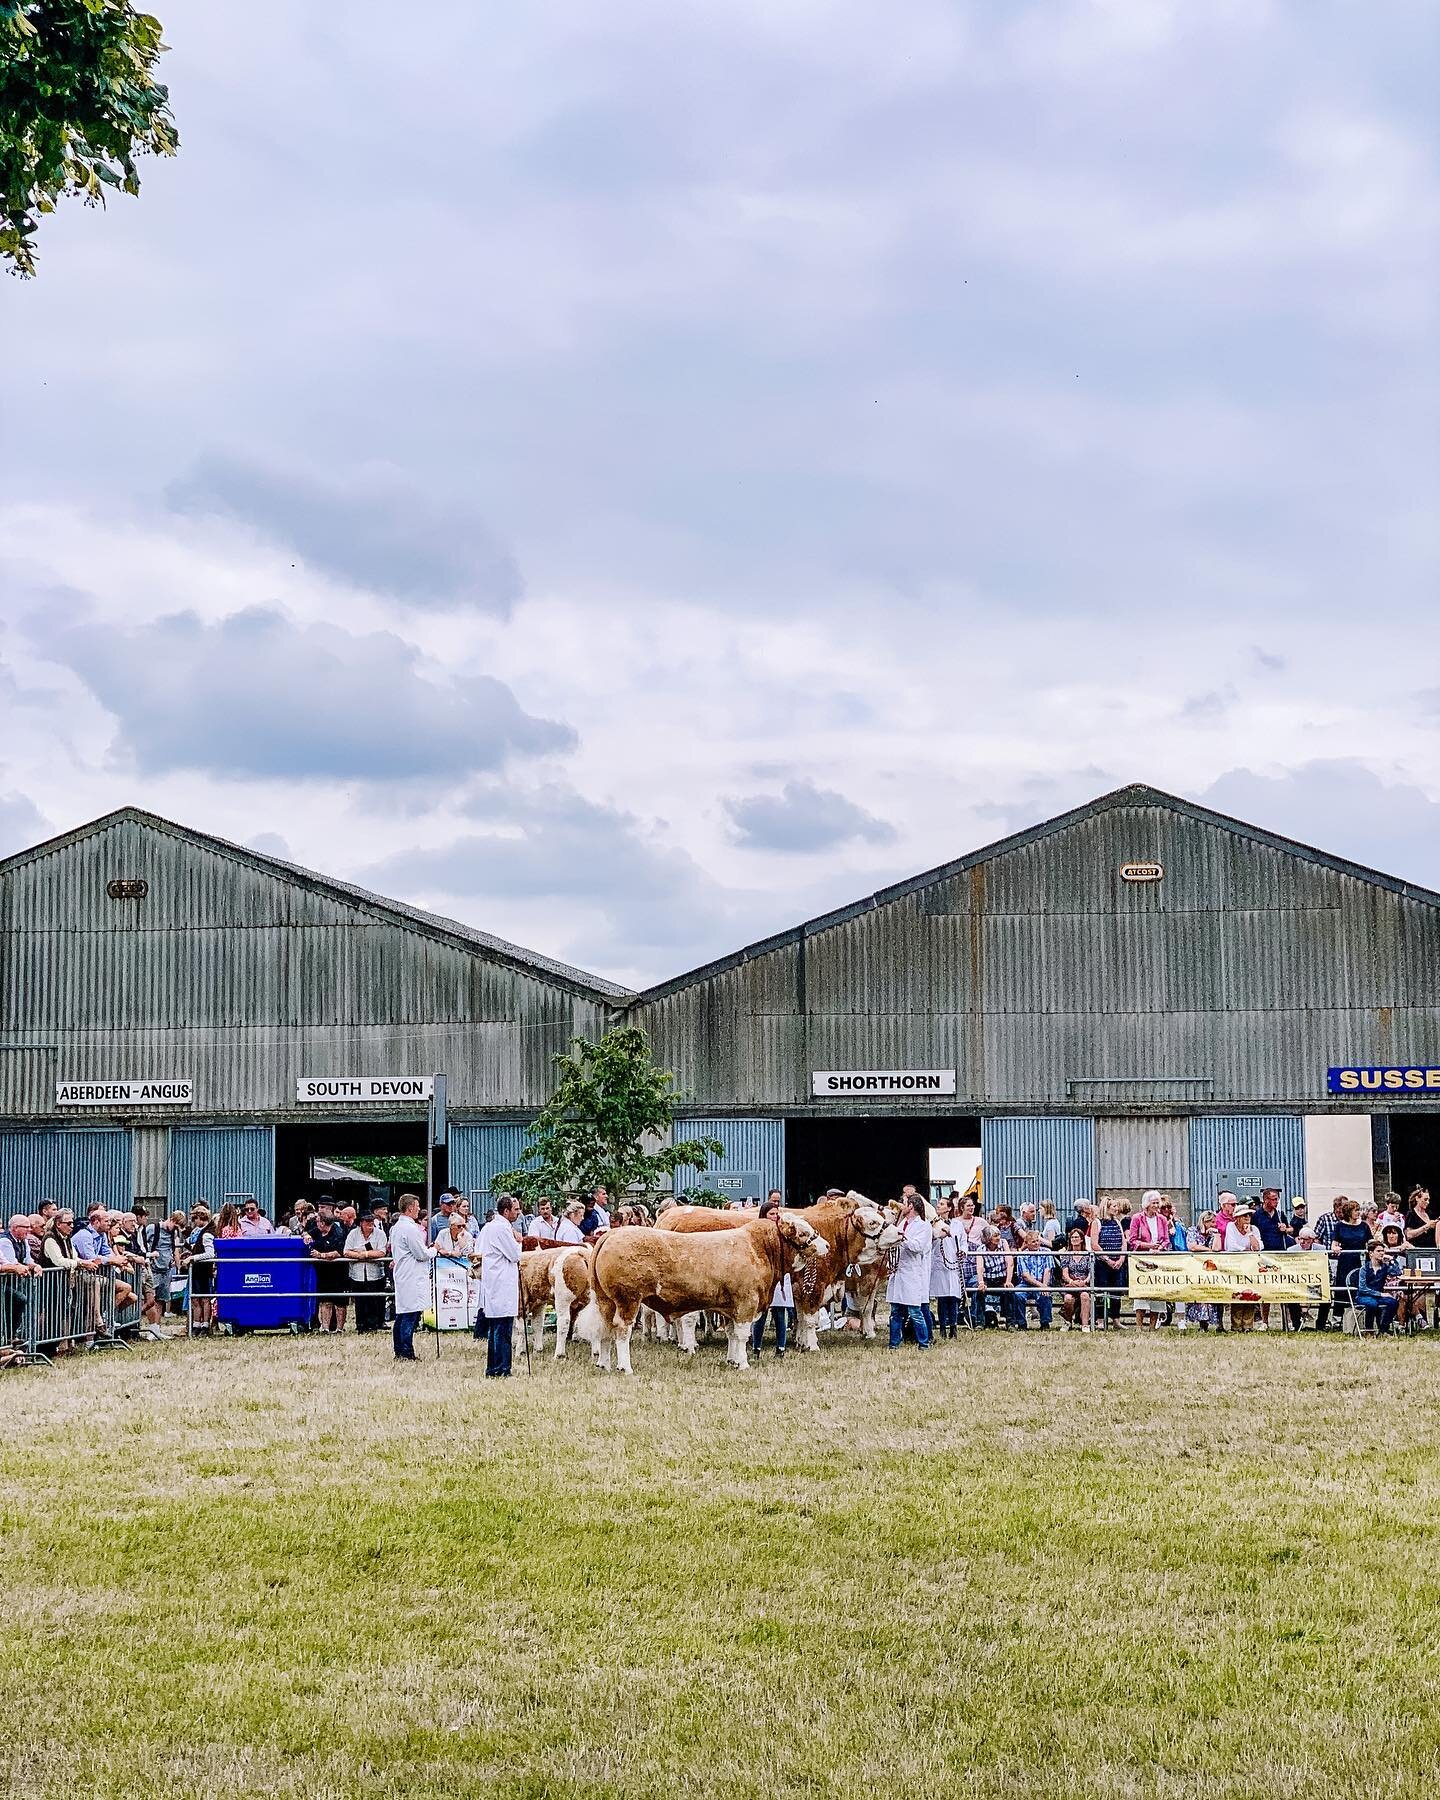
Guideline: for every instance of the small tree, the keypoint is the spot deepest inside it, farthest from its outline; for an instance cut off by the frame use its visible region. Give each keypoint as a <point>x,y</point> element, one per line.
<point>609,1096</point>
<point>78,103</point>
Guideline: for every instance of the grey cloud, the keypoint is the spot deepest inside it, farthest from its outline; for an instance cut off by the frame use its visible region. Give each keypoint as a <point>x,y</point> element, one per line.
<point>1343,806</point>
<point>802,817</point>
<point>1270,661</point>
<point>258,694</point>
<point>270,843</point>
<point>21,823</point>
<point>1204,709</point>
<point>651,903</point>
<point>372,526</point>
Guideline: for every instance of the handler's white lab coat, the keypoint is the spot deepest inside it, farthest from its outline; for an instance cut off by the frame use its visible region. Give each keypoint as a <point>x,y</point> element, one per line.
<point>910,1283</point>
<point>412,1266</point>
<point>499,1270</point>
<point>945,1268</point>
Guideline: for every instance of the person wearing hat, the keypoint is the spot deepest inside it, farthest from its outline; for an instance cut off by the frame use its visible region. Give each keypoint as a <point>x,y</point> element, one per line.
<point>1305,1239</point>
<point>1240,1237</point>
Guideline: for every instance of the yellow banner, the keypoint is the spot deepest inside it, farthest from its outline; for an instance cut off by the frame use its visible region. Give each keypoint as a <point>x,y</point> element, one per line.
<point>1299,1275</point>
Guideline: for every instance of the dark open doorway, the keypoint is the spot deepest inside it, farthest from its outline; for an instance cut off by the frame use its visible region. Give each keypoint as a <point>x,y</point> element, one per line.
<point>1415,1151</point>
<point>874,1156</point>
<point>298,1146</point>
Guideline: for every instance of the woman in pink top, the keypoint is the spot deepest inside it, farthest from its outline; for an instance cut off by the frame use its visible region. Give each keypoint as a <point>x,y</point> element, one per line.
<point>1149,1230</point>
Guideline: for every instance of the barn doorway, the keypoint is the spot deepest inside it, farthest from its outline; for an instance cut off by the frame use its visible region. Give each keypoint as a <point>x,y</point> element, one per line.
<point>322,1158</point>
<point>874,1156</point>
<point>1414,1152</point>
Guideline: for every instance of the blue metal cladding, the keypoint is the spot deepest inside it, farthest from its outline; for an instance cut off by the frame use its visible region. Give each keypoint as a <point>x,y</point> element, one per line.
<point>75,1167</point>
<point>478,1153</point>
<point>1224,1145</point>
<point>1037,1159</point>
<point>749,1144</point>
<point>234,1159</point>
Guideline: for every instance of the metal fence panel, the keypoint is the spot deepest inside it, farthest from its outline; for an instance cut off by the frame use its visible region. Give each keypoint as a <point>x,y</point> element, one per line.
<point>1037,1159</point>
<point>478,1153</point>
<point>208,1165</point>
<point>749,1144</point>
<point>75,1167</point>
<point>1225,1146</point>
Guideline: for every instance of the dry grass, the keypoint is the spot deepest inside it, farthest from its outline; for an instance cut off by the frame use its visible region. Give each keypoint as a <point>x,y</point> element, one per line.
<point>1021,1566</point>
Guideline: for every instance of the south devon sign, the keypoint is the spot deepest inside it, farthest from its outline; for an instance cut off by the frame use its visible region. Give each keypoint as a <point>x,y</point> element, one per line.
<point>362,1090</point>
<point>125,1093</point>
<point>829,1084</point>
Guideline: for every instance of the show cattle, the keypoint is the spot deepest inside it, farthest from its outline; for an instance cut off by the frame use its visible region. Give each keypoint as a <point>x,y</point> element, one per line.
<point>537,1287</point>
<point>570,1278</point>
<point>859,1236</point>
<point>732,1273</point>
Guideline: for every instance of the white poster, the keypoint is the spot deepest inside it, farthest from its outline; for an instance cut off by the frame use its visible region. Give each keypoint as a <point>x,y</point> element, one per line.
<point>125,1093</point>
<point>362,1090</point>
<point>828,1084</point>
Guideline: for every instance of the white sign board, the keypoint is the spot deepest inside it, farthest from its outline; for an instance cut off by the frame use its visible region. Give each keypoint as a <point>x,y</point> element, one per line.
<point>362,1090</point>
<point>125,1093</point>
<point>830,1084</point>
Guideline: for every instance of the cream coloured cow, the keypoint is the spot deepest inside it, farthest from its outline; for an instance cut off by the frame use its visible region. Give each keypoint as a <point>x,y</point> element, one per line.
<point>570,1276</point>
<point>732,1273</point>
<point>537,1288</point>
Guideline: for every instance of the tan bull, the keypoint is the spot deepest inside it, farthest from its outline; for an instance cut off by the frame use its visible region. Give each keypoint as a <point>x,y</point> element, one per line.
<point>537,1288</point>
<point>859,1236</point>
<point>732,1273</point>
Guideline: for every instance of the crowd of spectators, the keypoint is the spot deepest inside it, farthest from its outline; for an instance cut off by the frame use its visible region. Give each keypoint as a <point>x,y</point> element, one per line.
<point>998,1270</point>
<point>1006,1265</point>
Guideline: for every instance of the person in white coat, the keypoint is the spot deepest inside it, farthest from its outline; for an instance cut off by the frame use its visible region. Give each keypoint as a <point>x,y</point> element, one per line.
<point>909,1287</point>
<point>782,1301</point>
<point>500,1283</point>
<point>412,1265</point>
<point>947,1270</point>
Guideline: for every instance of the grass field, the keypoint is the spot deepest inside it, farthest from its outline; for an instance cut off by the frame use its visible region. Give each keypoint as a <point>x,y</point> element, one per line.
<point>1020,1566</point>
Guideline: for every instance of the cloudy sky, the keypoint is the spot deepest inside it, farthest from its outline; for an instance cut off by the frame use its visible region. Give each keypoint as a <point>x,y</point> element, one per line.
<point>633,476</point>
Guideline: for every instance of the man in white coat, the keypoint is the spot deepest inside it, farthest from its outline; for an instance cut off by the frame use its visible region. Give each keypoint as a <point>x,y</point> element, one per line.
<point>412,1267</point>
<point>909,1288</point>
<point>500,1284</point>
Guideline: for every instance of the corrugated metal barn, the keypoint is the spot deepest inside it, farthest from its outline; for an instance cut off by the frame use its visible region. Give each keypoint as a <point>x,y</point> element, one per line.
<point>135,951</point>
<point>1137,993</point>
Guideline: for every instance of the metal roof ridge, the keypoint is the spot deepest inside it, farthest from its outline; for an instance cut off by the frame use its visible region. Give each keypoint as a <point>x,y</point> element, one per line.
<point>1135,793</point>
<point>470,936</point>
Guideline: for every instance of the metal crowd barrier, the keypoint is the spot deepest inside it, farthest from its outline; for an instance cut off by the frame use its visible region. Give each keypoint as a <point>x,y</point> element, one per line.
<point>57,1310</point>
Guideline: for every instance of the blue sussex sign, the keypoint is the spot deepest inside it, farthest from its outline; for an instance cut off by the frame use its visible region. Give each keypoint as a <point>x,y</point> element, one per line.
<point>1364,1079</point>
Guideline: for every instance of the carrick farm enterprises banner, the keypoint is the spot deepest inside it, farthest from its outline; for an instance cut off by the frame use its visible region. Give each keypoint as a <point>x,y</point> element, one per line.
<point>1247,1275</point>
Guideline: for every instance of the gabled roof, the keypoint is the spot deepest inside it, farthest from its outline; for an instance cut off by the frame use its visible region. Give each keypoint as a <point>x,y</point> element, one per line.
<point>1137,794</point>
<point>451,931</point>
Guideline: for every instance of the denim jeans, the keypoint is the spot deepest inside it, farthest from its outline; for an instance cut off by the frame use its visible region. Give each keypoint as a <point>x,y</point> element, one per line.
<point>949,1307</point>
<point>781,1316</point>
<point>499,1335</point>
<point>1042,1301</point>
<point>404,1335</point>
<point>1381,1312</point>
<point>916,1316</point>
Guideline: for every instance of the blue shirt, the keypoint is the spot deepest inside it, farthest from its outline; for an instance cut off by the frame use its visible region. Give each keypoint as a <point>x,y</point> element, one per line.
<point>89,1245</point>
<point>1272,1235</point>
<point>1037,1264</point>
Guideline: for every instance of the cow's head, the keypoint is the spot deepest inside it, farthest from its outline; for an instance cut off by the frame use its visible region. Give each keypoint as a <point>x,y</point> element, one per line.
<point>799,1239</point>
<point>878,1232</point>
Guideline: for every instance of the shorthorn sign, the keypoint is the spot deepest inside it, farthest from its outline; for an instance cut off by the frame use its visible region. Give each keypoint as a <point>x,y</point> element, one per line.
<point>362,1090</point>
<point>835,1083</point>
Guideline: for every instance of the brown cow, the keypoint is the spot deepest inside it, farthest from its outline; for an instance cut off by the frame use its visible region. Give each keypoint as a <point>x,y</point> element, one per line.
<point>858,1233</point>
<point>732,1273</point>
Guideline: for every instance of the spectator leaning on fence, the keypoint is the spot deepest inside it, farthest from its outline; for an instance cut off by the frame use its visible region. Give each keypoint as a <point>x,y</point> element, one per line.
<point>365,1254</point>
<point>18,1269</point>
<point>1202,1237</point>
<point>1149,1230</point>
